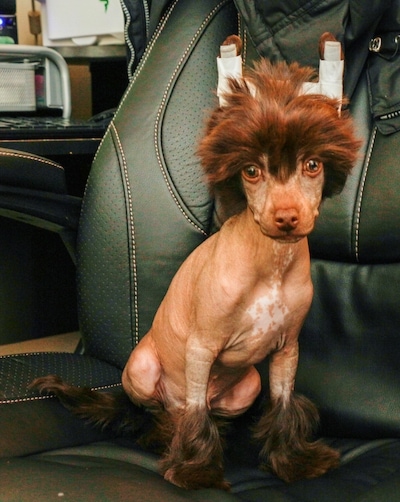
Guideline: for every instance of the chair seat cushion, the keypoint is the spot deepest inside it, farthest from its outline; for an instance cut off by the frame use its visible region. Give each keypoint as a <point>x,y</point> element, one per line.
<point>115,470</point>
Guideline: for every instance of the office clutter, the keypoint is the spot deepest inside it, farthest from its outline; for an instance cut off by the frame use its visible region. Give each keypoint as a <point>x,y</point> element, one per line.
<point>35,23</point>
<point>34,79</point>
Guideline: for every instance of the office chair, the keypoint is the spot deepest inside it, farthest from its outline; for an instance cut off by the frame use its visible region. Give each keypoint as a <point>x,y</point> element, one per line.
<point>144,210</point>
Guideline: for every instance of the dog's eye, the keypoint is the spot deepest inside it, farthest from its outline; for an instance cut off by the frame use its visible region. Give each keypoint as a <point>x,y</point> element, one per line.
<point>313,167</point>
<point>251,173</point>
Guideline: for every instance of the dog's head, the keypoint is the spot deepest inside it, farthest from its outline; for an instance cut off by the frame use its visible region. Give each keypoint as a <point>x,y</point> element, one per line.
<point>277,150</point>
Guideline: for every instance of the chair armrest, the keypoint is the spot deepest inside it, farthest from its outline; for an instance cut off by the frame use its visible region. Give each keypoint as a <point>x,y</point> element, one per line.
<point>34,190</point>
<point>26,170</point>
<point>52,211</point>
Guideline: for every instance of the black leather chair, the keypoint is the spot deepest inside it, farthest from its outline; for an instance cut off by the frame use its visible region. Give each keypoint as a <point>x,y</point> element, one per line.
<point>145,208</point>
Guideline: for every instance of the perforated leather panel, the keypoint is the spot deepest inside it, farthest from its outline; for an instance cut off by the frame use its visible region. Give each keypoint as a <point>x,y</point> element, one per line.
<point>18,371</point>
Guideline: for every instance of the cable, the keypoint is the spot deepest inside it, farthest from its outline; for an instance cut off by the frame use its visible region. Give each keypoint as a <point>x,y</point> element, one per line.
<point>35,26</point>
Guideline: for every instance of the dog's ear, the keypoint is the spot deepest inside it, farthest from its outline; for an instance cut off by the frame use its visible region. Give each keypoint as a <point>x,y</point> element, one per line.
<point>219,152</point>
<point>229,199</point>
<point>342,154</point>
<point>229,141</point>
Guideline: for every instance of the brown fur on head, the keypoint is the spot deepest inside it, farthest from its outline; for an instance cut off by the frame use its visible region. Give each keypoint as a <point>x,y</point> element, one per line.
<point>268,116</point>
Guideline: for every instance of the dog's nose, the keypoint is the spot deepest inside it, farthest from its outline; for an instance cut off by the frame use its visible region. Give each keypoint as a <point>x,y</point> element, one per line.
<point>286,219</point>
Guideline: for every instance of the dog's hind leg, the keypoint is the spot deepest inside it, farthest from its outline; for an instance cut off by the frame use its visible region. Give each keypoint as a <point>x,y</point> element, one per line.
<point>106,410</point>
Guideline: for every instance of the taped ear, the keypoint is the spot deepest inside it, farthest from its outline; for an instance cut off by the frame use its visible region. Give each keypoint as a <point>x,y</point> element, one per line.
<point>229,64</point>
<point>331,68</point>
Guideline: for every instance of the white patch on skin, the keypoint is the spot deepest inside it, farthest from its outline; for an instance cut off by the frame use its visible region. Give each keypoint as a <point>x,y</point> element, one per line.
<point>268,312</point>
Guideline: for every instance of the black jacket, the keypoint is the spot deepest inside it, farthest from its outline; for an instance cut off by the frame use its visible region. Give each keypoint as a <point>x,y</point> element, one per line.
<point>290,30</point>
<point>141,19</point>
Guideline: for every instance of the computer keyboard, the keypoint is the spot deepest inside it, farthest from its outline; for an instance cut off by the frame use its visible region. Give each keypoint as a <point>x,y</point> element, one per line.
<point>30,127</point>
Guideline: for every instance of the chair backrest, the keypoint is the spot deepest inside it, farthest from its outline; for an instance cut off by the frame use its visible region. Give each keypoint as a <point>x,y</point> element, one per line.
<point>146,206</point>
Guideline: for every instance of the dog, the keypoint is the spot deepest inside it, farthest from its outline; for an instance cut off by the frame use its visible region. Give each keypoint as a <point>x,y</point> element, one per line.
<point>270,156</point>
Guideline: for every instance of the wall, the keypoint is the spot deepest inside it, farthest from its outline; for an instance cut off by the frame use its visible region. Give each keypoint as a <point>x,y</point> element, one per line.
<point>80,74</point>
<point>23,7</point>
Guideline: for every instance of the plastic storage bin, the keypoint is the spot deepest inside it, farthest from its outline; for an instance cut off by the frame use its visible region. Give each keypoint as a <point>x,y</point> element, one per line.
<point>17,87</point>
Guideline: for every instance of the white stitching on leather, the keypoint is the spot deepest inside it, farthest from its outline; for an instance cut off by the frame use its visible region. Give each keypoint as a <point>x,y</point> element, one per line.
<point>52,396</point>
<point>5,400</point>
<point>19,354</point>
<point>148,50</point>
<point>30,157</point>
<point>128,42</point>
<point>132,230</point>
<point>143,60</point>
<point>161,110</point>
<point>361,193</point>
<point>139,67</point>
<point>137,72</point>
<point>24,399</point>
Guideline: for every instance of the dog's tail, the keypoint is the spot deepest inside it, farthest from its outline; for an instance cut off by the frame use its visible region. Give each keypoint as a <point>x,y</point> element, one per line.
<point>111,411</point>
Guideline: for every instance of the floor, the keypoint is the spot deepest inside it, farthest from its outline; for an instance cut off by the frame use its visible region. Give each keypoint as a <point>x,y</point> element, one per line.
<point>59,343</point>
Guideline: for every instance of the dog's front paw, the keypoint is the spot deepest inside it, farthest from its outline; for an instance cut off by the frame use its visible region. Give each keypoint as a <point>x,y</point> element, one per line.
<point>289,451</point>
<point>312,460</point>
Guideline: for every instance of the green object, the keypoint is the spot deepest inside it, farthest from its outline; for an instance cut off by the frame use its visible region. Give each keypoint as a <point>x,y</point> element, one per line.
<point>6,40</point>
<point>105,4</point>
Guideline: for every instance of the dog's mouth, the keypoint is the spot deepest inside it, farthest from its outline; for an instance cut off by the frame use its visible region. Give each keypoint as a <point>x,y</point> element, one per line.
<point>287,239</point>
<point>285,234</point>
<point>284,237</point>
